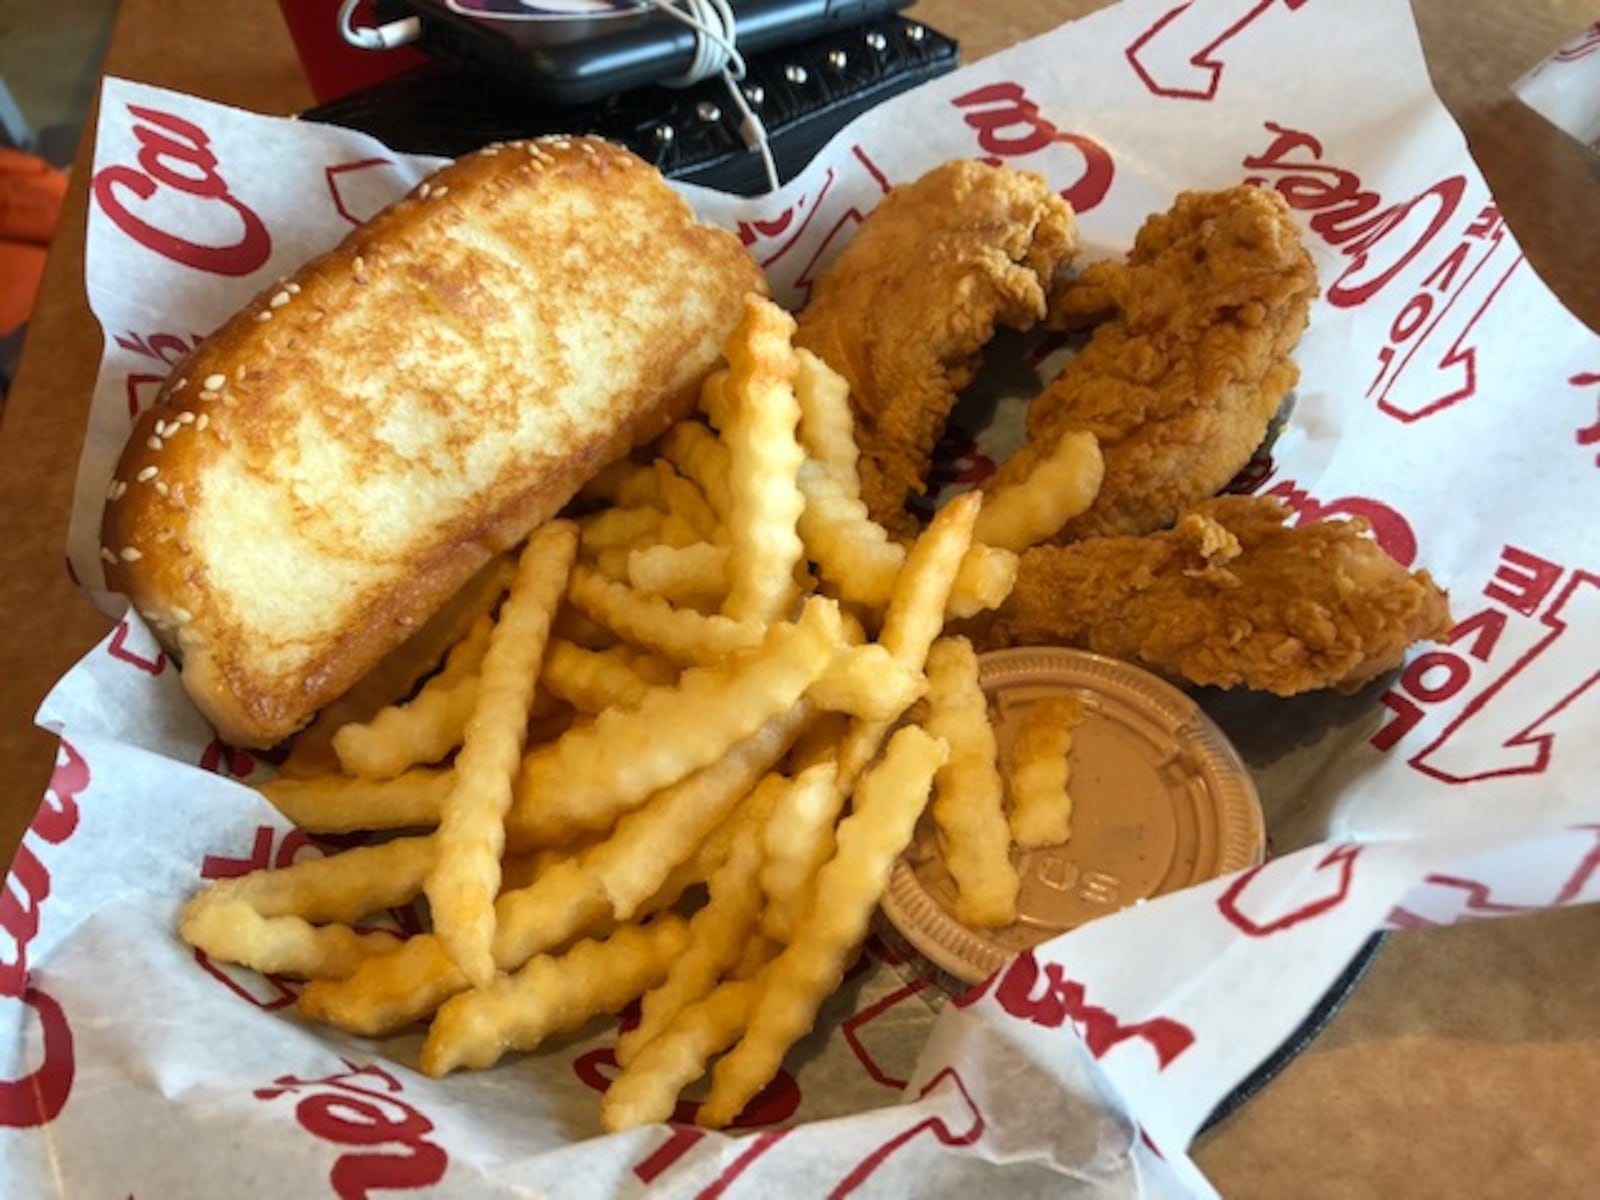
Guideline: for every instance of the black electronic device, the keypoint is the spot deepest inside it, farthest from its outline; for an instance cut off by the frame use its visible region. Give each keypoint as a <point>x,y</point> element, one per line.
<point>805,94</point>
<point>569,52</point>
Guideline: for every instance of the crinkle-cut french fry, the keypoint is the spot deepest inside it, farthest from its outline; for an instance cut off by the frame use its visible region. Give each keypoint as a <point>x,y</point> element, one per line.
<point>867,681</point>
<point>408,735</point>
<point>750,812</point>
<point>574,625</point>
<point>1041,806</point>
<point>856,554</point>
<point>717,936</point>
<point>571,896</point>
<point>232,931</point>
<point>590,681</point>
<point>796,841</point>
<point>424,729</point>
<point>827,426</point>
<point>1061,485</point>
<point>758,951</point>
<point>915,616</point>
<point>612,563</point>
<point>519,870</point>
<point>397,674</point>
<point>466,876</point>
<point>819,743</point>
<point>344,804</point>
<point>857,557</point>
<point>389,992</point>
<point>764,456</point>
<point>677,531</point>
<point>623,484</point>
<point>652,668</point>
<point>853,551</point>
<point>551,995</point>
<point>559,903</point>
<point>339,887</point>
<point>713,398</point>
<point>683,498</point>
<point>632,864</point>
<point>985,579</point>
<point>697,454</point>
<point>969,797</point>
<point>594,774</point>
<point>794,985</point>
<point>563,901</point>
<point>542,731</point>
<point>680,574</point>
<point>679,634</point>
<point>647,1089</point>
<point>618,528</point>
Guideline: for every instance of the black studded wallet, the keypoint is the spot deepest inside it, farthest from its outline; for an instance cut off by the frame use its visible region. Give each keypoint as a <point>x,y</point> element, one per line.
<point>804,93</point>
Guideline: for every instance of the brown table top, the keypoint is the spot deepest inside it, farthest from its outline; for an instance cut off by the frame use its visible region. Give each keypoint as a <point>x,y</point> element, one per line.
<point>1467,1063</point>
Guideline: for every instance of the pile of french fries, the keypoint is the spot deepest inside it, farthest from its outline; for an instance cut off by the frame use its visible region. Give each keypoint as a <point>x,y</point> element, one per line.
<point>671,755</point>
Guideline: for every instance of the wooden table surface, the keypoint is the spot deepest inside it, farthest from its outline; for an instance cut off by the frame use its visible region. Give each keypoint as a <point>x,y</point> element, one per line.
<point>1467,1064</point>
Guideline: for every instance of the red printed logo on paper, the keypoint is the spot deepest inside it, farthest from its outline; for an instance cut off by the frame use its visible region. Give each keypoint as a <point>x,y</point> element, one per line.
<point>1380,239</point>
<point>770,239</point>
<point>964,1131</point>
<point>164,350</point>
<point>176,177</point>
<point>119,649</point>
<point>1588,436</point>
<point>1585,44</point>
<point>858,1033</point>
<point>37,1098</point>
<point>1009,125</point>
<point>361,189</point>
<point>362,1108</point>
<point>1045,996</point>
<point>831,239</point>
<point>222,759</point>
<point>774,1103</point>
<point>962,1126</point>
<point>1244,908</point>
<point>1476,900</point>
<point>1429,360</point>
<point>1181,55</point>
<point>1390,529</point>
<point>1521,662</point>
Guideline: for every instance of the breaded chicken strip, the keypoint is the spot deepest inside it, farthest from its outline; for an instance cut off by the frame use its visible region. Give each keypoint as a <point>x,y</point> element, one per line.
<point>905,311</point>
<point>1189,361</point>
<point>1231,597</point>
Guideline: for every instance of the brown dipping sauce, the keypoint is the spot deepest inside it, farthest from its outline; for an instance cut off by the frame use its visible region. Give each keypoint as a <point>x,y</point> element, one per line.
<point>1160,801</point>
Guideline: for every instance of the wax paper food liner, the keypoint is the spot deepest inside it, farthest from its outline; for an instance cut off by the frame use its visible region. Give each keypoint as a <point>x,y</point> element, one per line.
<point>1565,88</point>
<point>1445,396</point>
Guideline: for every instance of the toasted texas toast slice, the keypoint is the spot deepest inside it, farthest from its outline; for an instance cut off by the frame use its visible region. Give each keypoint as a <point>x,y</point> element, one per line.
<point>337,459</point>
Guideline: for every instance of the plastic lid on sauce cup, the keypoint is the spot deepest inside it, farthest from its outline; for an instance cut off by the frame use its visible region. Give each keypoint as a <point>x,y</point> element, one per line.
<point>1160,801</point>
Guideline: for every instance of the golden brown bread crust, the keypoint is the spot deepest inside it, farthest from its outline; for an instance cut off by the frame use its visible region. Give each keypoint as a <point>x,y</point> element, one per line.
<point>337,459</point>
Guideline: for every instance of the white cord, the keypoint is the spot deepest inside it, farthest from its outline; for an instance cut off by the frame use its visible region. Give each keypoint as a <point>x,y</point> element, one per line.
<point>715,53</point>
<point>376,37</point>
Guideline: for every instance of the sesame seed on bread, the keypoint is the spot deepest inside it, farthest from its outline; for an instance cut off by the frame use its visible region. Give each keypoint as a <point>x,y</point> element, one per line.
<point>325,470</point>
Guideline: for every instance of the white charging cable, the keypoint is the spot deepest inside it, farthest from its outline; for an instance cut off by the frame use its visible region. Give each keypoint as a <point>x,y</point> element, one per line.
<point>376,37</point>
<point>715,53</point>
